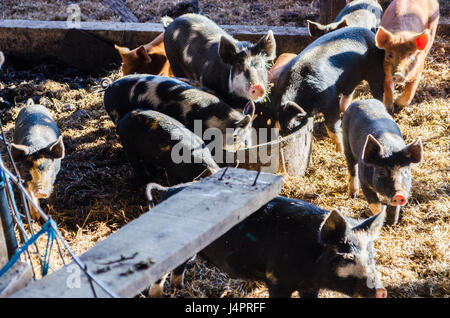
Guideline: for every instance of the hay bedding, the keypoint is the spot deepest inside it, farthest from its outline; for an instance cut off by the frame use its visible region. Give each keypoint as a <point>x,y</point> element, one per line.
<point>95,193</point>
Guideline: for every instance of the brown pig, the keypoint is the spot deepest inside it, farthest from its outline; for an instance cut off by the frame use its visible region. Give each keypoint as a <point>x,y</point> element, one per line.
<point>278,66</point>
<point>146,59</point>
<point>406,33</point>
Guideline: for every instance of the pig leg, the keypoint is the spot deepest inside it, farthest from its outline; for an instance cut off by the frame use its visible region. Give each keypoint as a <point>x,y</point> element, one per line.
<point>157,288</point>
<point>388,98</point>
<point>410,90</point>
<point>392,214</point>
<point>139,171</point>
<point>177,278</point>
<point>346,100</point>
<point>34,213</point>
<point>353,184</point>
<point>372,199</point>
<point>333,125</point>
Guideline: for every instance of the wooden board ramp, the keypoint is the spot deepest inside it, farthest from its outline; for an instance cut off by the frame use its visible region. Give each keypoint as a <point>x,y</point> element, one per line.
<point>139,253</point>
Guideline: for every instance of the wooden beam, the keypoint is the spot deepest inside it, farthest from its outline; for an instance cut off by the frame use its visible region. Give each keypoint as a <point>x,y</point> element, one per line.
<point>165,237</point>
<point>3,248</point>
<point>15,279</point>
<point>329,10</point>
<point>32,39</point>
<point>122,10</point>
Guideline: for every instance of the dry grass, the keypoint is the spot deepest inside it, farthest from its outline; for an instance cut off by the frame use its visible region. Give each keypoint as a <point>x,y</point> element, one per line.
<point>94,192</point>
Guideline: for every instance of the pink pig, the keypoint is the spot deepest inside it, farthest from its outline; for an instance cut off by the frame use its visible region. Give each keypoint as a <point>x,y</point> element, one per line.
<point>406,33</point>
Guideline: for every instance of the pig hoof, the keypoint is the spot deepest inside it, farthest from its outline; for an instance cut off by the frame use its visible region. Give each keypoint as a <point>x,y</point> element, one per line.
<point>177,281</point>
<point>401,103</point>
<point>156,291</point>
<point>375,208</point>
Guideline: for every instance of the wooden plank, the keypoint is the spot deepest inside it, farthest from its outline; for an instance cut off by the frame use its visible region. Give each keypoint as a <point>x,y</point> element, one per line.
<point>122,10</point>
<point>3,248</point>
<point>329,10</point>
<point>36,39</point>
<point>165,237</point>
<point>15,279</point>
<point>32,39</point>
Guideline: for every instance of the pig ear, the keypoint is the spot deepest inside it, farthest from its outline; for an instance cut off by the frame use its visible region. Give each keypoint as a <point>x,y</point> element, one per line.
<point>294,108</point>
<point>268,45</point>
<point>244,122</point>
<point>249,109</point>
<point>227,50</point>
<point>315,28</point>
<point>333,229</point>
<point>122,50</point>
<point>414,151</point>
<point>383,38</point>
<point>422,40</point>
<point>142,53</point>
<point>56,150</point>
<point>373,224</point>
<point>372,150</point>
<point>341,24</point>
<point>19,152</point>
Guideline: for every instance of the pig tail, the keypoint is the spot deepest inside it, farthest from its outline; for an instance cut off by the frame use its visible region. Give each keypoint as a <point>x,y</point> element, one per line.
<point>105,83</point>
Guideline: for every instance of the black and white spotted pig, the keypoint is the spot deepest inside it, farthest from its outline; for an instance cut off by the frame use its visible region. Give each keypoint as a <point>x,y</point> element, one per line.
<point>375,150</point>
<point>363,13</point>
<point>149,137</point>
<point>237,71</point>
<point>37,148</point>
<point>292,245</point>
<point>333,64</point>
<point>180,101</point>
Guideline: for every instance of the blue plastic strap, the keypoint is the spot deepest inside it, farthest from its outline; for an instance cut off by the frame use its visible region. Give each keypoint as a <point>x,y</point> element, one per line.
<point>48,229</point>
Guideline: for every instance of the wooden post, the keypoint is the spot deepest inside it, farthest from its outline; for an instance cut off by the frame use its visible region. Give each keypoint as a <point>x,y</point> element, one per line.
<point>119,7</point>
<point>329,9</point>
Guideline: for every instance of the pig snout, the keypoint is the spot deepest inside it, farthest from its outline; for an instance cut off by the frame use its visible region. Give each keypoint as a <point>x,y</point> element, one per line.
<point>399,199</point>
<point>256,91</point>
<point>41,194</point>
<point>381,293</point>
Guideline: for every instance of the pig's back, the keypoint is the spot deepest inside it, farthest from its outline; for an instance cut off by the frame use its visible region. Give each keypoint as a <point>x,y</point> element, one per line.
<point>363,13</point>
<point>410,15</point>
<point>334,53</point>
<point>35,128</point>
<point>369,116</point>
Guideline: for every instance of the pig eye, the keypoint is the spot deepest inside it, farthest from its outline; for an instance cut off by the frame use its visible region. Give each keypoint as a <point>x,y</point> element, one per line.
<point>389,56</point>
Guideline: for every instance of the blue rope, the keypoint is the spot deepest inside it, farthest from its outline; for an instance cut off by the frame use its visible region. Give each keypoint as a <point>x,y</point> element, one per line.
<point>48,229</point>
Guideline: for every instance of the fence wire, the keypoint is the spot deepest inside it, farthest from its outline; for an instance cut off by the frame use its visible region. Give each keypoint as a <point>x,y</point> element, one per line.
<point>19,219</point>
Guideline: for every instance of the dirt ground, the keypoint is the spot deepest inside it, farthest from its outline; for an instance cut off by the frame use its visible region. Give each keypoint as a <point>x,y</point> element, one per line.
<point>248,12</point>
<point>95,193</point>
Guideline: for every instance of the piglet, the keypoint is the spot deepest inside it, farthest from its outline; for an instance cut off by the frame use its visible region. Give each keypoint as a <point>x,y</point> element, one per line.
<point>406,34</point>
<point>152,142</point>
<point>363,13</point>
<point>292,245</point>
<point>37,148</point>
<point>198,48</point>
<point>375,150</point>
<point>331,66</point>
